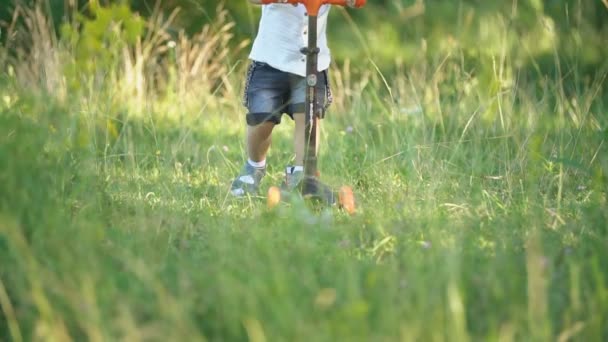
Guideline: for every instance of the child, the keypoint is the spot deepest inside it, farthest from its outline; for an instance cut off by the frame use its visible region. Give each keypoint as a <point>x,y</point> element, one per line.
<point>276,85</point>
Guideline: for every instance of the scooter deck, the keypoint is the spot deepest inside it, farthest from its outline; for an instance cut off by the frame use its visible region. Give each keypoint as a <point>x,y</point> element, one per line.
<point>313,189</point>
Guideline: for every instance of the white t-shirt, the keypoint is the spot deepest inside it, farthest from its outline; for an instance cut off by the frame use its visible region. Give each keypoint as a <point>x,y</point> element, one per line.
<point>283,32</point>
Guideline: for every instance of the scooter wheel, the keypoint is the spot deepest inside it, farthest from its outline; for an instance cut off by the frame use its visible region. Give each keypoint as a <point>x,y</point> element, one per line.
<point>274,197</point>
<point>346,199</point>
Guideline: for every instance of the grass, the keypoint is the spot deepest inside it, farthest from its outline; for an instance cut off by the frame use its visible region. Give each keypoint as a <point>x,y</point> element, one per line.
<point>481,213</point>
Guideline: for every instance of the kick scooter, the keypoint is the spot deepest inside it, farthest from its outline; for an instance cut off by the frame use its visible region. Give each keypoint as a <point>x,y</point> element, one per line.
<point>311,187</point>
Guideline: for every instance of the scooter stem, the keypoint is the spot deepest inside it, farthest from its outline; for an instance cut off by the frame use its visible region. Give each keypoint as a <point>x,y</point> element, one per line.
<point>311,106</point>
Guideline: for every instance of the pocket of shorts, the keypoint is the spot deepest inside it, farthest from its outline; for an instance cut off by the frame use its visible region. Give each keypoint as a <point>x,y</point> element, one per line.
<point>252,66</point>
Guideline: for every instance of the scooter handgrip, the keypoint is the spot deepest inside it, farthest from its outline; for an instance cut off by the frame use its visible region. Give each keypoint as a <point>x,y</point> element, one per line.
<point>267,2</point>
<point>349,3</point>
<point>359,3</point>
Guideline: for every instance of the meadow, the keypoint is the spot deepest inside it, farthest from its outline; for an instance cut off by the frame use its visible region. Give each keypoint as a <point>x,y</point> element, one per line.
<point>480,188</point>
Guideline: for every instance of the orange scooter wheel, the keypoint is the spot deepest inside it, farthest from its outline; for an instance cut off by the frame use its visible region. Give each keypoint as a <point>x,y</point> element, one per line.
<point>274,197</point>
<point>346,199</point>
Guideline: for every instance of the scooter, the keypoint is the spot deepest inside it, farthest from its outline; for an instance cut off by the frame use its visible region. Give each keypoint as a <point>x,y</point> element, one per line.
<point>312,187</point>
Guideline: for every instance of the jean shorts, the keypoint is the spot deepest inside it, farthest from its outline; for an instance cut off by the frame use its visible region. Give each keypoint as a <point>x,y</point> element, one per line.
<point>270,93</point>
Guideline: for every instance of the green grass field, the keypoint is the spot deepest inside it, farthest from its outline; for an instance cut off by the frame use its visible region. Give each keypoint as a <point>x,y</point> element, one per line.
<point>481,198</point>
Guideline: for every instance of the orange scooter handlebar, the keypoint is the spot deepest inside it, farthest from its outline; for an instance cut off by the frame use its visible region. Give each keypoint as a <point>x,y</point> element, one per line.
<point>312,6</point>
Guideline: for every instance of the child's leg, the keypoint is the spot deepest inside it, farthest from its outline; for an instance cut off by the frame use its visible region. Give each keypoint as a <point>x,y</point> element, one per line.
<point>258,141</point>
<point>299,137</point>
<point>298,99</point>
<point>265,97</point>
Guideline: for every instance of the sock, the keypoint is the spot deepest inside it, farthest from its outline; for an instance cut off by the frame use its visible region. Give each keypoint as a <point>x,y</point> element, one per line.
<point>258,165</point>
<point>292,169</point>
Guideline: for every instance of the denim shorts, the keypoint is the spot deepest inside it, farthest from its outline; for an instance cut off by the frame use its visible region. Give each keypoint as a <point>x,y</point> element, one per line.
<point>270,93</point>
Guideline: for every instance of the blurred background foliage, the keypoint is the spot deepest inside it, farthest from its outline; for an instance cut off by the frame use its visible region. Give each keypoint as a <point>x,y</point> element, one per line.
<point>186,57</point>
<point>528,32</point>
